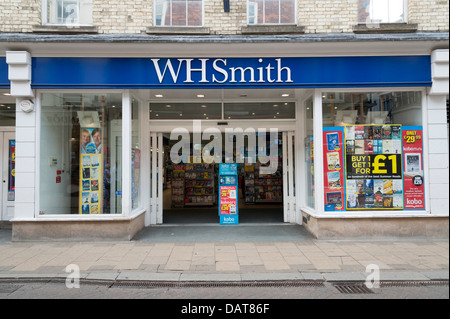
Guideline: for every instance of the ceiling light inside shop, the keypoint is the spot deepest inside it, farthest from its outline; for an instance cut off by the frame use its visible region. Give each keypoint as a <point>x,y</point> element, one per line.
<point>200,95</point>
<point>285,95</point>
<point>204,105</point>
<point>159,95</point>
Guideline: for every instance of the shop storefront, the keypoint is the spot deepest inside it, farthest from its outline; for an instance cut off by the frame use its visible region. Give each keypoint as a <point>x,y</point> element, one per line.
<point>99,139</point>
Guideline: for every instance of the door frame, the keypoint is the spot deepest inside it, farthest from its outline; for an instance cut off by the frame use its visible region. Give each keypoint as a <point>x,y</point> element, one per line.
<point>6,133</point>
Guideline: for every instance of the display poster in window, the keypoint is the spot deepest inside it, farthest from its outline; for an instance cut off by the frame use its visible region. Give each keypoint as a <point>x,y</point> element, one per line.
<point>373,167</point>
<point>91,171</point>
<point>414,192</point>
<point>12,170</point>
<point>333,150</point>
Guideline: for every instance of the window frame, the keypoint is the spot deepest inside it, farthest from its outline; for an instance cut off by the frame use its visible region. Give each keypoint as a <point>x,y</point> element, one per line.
<point>127,210</point>
<point>164,10</point>
<point>45,17</point>
<point>255,17</point>
<point>370,13</point>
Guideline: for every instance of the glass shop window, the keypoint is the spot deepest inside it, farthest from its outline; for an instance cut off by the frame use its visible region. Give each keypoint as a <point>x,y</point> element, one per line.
<point>80,154</point>
<point>373,151</point>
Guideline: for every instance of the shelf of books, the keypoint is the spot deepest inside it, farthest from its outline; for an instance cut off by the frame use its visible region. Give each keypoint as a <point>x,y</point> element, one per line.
<point>177,180</point>
<point>269,187</point>
<point>249,181</point>
<point>199,185</point>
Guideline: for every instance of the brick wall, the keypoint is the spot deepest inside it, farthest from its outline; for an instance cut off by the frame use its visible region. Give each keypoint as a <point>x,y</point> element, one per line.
<point>317,16</point>
<point>19,15</point>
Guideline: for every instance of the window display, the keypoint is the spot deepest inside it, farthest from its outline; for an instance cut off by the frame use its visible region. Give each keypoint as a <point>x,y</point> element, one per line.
<point>80,153</point>
<point>372,151</point>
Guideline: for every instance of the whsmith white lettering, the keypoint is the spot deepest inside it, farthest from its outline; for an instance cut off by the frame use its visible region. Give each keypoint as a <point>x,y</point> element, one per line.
<point>266,73</point>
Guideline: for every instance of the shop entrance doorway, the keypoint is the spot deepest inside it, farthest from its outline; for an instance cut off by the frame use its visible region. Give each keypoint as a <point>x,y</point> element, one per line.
<point>7,174</point>
<point>187,192</point>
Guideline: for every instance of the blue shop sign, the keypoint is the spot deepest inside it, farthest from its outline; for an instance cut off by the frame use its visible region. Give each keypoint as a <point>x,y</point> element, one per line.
<point>4,81</point>
<point>307,72</point>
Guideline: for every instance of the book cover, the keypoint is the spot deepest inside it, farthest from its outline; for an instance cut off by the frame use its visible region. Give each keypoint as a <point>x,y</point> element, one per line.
<point>396,132</point>
<point>350,132</point>
<point>396,146</point>
<point>333,141</point>
<point>378,186</point>
<point>377,133</point>
<point>397,201</point>
<point>387,146</point>
<point>359,132</point>
<point>368,146</point>
<point>350,147</point>
<point>397,186</point>
<point>334,180</point>
<point>368,132</point>
<point>368,186</point>
<point>387,201</point>
<point>359,146</point>
<point>333,161</point>
<point>387,187</point>
<point>386,132</point>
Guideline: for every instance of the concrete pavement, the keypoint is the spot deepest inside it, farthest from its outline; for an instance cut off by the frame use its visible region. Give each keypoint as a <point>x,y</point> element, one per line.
<point>204,253</point>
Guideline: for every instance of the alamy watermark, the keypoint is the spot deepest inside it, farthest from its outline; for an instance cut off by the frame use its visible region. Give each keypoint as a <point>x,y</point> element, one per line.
<point>73,278</point>
<point>373,278</point>
<point>261,146</point>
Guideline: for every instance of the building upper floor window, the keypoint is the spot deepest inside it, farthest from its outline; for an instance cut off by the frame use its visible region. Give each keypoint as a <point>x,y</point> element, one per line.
<point>67,12</point>
<point>382,11</point>
<point>180,13</point>
<point>271,12</point>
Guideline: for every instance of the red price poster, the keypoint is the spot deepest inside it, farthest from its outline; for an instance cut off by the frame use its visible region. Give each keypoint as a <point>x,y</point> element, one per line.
<point>413,177</point>
<point>228,200</point>
<point>333,159</point>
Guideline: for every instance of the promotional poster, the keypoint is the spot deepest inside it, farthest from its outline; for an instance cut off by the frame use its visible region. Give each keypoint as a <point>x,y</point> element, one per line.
<point>91,171</point>
<point>333,149</point>
<point>373,167</point>
<point>412,137</point>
